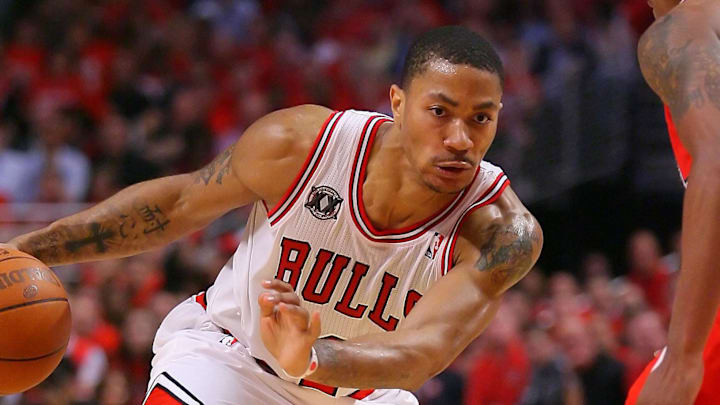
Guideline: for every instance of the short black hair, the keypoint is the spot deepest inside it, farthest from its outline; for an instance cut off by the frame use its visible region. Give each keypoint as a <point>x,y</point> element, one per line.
<point>458,45</point>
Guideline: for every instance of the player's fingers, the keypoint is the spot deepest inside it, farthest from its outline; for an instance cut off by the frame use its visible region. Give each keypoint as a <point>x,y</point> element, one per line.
<point>277,285</point>
<point>294,312</point>
<point>315,326</point>
<point>267,304</point>
<point>295,316</point>
<point>287,297</point>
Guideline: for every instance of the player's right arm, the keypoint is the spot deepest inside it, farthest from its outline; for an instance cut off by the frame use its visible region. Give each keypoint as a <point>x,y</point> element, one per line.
<point>680,59</point>
<point>260,165</point>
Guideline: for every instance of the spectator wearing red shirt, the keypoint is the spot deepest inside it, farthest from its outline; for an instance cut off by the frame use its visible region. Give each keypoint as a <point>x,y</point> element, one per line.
<point>645,335</point>
<point>501,370</point>
<point>648,271</point>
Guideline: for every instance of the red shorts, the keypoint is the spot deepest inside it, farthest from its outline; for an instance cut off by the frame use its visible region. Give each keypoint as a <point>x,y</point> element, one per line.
<point>710,389</point>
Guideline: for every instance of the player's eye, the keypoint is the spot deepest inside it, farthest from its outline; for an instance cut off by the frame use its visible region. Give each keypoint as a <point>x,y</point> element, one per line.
<point>482,119</point>
<point>437,111</point>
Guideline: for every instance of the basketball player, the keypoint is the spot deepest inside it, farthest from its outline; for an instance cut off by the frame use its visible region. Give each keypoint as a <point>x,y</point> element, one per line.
<point>680,59</point>
<point>377,249</point>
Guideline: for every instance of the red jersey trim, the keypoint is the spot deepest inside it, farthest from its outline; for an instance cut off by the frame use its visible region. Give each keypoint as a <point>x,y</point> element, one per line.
<point>311,163</point>
<point>490,196</point>
<point>201,299</point>
<point>682,156</point>
<point>357,208</point>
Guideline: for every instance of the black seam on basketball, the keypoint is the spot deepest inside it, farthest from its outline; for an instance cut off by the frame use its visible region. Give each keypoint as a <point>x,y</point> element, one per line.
<point>54,352</point>
<point>181,387</point>
<point>22,257</point>
<point>26,304</point>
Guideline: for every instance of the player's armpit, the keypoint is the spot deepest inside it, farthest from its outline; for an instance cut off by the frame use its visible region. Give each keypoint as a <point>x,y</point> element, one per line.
<point>499,245</point>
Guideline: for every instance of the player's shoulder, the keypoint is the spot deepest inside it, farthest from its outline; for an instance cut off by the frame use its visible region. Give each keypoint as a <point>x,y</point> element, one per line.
<point>505,217</point>
<point>687,21</point>
<point>271,152</point>
<point>288,130</point>
<point>502,240</point>
<point>506,207</point>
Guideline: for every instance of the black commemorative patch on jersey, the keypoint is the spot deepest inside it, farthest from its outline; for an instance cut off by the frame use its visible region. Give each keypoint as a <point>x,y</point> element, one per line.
<point>324,202</point>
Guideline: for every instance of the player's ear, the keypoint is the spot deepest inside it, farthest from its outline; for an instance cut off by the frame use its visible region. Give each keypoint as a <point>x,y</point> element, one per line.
<point>397,102</point>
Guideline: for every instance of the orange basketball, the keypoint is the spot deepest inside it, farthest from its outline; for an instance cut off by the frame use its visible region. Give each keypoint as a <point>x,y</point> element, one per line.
<point>34,321</point>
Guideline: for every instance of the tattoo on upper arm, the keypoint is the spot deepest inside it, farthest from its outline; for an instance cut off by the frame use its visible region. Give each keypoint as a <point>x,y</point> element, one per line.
<point>218,168</point>
<point>510,250</point>
<point>684,73</point>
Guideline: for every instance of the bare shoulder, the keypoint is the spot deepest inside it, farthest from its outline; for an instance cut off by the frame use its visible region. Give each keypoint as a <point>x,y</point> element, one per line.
<point>678,55</point>
<point>502,241</point>
<point>272,151</point>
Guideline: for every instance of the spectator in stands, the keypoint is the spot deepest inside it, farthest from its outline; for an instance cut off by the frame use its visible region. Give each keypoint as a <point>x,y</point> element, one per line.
<point>84,352</point>
<point>15,168</point>
<point>53,155</point>
<point>551,382</point>
<point>501,369</point>
<point>601,376</point>
<point>648,271</point>
<point>645,335</point>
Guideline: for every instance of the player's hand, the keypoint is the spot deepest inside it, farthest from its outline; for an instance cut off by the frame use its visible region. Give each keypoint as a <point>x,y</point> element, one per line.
<point>8,246</point>
<point>674,382</point>
<point>287,329</point>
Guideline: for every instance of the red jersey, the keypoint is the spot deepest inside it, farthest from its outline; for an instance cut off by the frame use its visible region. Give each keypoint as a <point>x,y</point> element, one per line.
<point>682,156</point>
<point>710,390</point>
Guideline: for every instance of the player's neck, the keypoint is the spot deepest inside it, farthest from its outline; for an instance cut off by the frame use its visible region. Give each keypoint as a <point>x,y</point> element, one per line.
<point>393,194</point>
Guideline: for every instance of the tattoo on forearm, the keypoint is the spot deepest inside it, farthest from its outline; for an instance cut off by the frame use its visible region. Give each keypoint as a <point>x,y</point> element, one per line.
<point>114,232</point>
<point>510,250</point>
<point>685,74</point>
<point>154,219</point>
<point>98,237</point>
<point>218,168</point>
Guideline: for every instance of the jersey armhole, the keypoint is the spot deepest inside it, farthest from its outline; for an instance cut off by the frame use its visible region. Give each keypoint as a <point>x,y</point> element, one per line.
<point>312,160</point>
<point>490,196</point>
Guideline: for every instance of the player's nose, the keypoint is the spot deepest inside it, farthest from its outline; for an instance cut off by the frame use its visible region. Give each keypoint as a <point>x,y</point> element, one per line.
<point>458,136</point>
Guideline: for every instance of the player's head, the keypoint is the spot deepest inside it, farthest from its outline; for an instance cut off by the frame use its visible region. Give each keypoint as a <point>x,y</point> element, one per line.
<point>448,106</point>
<point>662,7</point>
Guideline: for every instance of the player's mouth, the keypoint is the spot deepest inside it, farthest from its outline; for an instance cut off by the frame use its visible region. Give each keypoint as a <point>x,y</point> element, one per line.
<point>452,169</point>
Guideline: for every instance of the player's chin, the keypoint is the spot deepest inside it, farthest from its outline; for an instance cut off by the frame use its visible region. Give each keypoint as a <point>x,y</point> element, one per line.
<point>449,181</point>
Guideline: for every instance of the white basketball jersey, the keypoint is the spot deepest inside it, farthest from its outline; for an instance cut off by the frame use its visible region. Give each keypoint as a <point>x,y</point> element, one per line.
<point>319,239</point>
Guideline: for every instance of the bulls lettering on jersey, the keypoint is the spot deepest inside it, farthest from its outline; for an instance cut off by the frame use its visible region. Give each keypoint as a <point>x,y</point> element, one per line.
<point>319,240</point>
<point>292,261</point>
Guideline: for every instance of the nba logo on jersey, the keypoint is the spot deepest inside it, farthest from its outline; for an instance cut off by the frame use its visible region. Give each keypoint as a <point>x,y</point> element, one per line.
<point>434,246</point>
<point>324,202</point>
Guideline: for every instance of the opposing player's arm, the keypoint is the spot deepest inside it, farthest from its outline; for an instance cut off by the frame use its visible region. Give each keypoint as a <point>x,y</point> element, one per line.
<point>498,245</point>
<point>260,165</point>
<point>680,59</point>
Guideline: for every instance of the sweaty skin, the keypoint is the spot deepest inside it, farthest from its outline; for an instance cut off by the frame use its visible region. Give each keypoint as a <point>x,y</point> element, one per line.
<point>444,124</point>
<point>680,59</point>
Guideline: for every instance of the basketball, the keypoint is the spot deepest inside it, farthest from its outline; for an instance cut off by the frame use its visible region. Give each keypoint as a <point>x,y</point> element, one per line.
<point>34,321</point>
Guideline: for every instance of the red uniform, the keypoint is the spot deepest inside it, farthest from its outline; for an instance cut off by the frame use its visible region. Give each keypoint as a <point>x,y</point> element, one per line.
<point>710,389</point>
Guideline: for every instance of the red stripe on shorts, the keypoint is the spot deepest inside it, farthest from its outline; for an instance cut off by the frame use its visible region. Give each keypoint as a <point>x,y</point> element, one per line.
<point>161,396</point>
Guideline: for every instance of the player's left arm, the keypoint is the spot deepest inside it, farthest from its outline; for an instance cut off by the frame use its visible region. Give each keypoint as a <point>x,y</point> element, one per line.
<point>680,58</point>
<point>498,245</point>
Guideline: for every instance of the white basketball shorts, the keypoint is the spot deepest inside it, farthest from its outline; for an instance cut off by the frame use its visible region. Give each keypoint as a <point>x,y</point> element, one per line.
<point>196,363</point>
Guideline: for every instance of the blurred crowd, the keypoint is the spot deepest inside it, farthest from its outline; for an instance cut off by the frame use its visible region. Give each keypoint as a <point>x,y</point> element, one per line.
<point>97,95</point>
<point>565,339</point>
